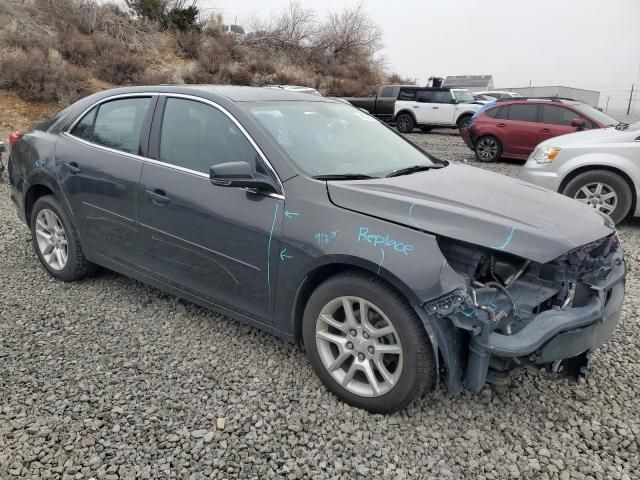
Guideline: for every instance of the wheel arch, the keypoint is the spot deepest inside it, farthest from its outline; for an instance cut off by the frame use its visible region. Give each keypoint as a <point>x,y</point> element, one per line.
<point>325,271</point>
<point>405,110</point>
<point>587,168</point>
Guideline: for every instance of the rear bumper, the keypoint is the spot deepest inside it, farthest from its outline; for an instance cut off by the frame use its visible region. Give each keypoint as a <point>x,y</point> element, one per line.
<point>465,133</point>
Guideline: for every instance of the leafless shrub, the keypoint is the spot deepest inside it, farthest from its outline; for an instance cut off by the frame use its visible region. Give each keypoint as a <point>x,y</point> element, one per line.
<point>188,43</point>
<point>42,76</point>
<point>119,69</point>
<point>152,76</point>
<point>397,79</point>
<point>75,47</point>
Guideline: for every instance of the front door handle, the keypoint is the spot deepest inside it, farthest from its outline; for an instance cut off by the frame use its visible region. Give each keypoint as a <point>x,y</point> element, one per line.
<point>500,125</point>
<point>435,108</point>
<point>157,196</point>
<point>545,130</point>
<point>72,167</point>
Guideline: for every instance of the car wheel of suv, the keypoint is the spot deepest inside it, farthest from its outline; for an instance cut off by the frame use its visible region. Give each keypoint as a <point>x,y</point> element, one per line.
<point>367,344</point>
<point>405,123</point>
<point>463,122</point>
<point>603,190</point>
<point>488,149</point>
<point>55,241</point>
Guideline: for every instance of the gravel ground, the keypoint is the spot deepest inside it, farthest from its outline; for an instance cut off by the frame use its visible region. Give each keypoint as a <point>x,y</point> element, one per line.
<point>108,378</point>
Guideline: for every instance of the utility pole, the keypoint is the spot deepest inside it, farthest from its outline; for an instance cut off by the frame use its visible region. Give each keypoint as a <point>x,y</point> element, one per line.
<point>606,109</point>
<point>630,98</point>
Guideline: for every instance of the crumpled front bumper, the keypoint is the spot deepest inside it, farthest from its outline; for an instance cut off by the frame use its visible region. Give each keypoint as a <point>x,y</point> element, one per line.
<point>554,334</point>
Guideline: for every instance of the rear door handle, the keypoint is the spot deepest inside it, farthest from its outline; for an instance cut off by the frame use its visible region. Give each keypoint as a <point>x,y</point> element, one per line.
<point>157,196</point>
<point>72,167</point>
<point>545,130</point>
<point>435,108</point>
<point>500,125</point>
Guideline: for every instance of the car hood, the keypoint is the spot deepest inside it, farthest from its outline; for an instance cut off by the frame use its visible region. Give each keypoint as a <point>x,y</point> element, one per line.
<point>587,137</point>
<point>484,208</point>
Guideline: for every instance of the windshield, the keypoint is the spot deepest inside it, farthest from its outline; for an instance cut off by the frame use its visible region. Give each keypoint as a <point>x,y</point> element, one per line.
<point>596,115</point>
<point>335,139</point>
<point>463,96</point>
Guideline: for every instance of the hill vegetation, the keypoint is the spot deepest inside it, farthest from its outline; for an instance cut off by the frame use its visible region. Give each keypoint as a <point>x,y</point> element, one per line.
<point>60,50</point>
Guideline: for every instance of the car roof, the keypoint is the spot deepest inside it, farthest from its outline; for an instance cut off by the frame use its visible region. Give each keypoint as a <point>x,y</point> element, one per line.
<point>231,92</point>
<point>535,100</point>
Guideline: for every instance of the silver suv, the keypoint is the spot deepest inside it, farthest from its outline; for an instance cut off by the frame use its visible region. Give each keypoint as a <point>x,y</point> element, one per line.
<point>598,167</point>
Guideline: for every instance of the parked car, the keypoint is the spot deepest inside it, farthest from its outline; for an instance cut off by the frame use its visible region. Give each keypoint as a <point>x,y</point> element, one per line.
<point>429,107</point>
<point>600,168</point>
<point>499,94</point>
<point>511,128</point>
<point>381,105</point>
<point>296,88</point>
<point>484,99</point>
<point>308,219</point>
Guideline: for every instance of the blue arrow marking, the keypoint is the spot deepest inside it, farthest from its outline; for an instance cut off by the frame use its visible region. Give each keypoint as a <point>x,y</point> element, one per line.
<point>283,254</point>
<point>289,214</point>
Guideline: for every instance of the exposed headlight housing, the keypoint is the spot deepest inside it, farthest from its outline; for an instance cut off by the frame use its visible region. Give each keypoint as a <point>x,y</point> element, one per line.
<point>545,155</point>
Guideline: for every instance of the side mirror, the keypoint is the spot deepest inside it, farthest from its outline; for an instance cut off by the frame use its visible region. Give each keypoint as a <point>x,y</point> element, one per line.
<point>453,100</point>
<point>578,123</point>
<point>238,174</point>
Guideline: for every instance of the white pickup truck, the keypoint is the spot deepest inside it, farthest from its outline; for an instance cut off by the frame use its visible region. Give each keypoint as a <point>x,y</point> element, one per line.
<point>428,107</point>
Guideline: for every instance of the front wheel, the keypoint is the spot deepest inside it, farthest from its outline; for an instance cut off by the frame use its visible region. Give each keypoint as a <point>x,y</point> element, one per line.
<point>405,123</point>
<point>463,122</point>
<point>603,190</point>
<point>367,344</point>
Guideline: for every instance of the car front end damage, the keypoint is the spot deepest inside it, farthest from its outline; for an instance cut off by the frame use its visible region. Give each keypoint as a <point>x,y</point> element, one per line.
<point>516,314</point>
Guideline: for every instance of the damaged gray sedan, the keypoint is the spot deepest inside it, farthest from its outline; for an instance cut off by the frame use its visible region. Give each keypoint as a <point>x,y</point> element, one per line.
<point>311,220</point>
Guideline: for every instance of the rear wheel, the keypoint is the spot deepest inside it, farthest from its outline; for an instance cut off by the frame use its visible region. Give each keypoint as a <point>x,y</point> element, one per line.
<point>367,344</point>
<point>603,190</point>
<point>55,241</point>
<point>405,123</point>
<point>463,122</point>
<point>488,149</point>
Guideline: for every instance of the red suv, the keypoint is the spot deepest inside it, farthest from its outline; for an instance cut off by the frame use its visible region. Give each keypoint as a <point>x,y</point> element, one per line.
<point>511,128</point>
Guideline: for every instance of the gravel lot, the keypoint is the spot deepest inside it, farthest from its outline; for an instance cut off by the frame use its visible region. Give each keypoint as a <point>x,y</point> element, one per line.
<point>108,378</point>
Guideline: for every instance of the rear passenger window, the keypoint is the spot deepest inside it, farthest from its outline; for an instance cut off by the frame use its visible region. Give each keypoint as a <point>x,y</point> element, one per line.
<point>83,127</point>
<point>523,113</point>
<point>118,124</point>
<point>407,95</point>
<point>424,96</point>
<point>196,136</point>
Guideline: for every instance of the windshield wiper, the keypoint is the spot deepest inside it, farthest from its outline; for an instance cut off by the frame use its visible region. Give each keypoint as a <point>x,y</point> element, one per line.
<point>343,176</point>
<point>622,126</point>
<point>413,169</point>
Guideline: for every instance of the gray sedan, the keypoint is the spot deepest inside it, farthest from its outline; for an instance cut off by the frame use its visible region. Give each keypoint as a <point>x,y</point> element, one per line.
<point>600,168</point>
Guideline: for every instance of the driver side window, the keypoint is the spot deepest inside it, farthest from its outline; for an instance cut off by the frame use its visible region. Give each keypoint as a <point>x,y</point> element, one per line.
<point>197,136</point>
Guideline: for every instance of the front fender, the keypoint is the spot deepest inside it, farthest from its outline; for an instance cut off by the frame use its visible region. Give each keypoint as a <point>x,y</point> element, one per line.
<point>599,159</point>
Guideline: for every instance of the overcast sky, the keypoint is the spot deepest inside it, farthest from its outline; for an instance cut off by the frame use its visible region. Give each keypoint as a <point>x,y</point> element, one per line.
<point>592,44</point>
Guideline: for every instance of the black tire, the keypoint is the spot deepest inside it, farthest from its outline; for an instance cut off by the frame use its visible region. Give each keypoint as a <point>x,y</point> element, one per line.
<point>488,149</point>
<point>405,123</point>
<point>77,266</point>
<point>425,129</point>
<point>418,374</point>
<point>612,182</point>
<point>463,121</point>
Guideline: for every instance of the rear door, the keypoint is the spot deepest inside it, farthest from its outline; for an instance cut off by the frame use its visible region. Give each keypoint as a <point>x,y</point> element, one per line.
<point>219,243</point>
<point>519,130</point>
<point>98,164</point>
<point>386,101</point>
<point>556,120</point>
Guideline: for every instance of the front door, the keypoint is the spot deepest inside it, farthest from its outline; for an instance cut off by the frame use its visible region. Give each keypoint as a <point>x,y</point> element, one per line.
<point>98,167</point>
<point>556,120</point>
<point>442,108</point>
<point>219,243</point>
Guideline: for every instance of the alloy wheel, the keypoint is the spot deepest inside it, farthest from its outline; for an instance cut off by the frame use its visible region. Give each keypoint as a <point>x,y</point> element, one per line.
<point>359,346</point>
<point>51,239</point>
<point>487,149</point>
<point>599,196</point>
<point>403,124</point>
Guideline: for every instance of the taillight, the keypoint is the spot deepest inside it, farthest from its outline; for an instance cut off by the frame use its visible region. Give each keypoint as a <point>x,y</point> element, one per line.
<point>13,138</point>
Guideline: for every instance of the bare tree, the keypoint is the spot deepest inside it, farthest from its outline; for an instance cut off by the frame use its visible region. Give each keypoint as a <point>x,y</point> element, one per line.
<point>350,33</point>
<point>296,24</point>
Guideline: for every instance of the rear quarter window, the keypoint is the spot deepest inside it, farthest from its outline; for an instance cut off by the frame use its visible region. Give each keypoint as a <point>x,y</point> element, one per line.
<point>84,127</point>
<point>408,95</point>
<point>492,112</point>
